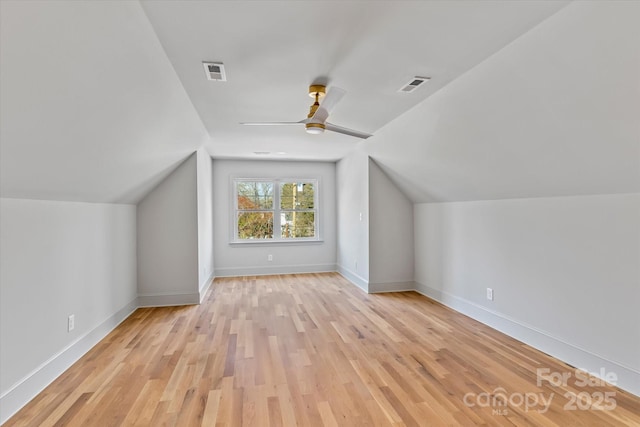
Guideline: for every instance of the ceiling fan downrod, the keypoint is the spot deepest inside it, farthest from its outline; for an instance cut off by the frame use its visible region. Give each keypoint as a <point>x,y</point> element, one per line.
<point>313,127</point>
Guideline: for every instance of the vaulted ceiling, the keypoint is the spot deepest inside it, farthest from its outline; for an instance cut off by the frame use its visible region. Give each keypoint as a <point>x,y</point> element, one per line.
<point>272,51</point>
<point>555,113</point>
<point>100,100</point>
<point>91,109</point>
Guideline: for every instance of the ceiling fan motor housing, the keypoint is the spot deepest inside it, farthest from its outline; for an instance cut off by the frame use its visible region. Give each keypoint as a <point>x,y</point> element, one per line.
<point>317,90</point>
<point>314,128</point>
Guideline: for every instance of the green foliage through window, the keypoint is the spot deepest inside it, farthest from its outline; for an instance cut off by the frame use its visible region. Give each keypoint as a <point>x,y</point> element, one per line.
<point>255,195</point>
<point>296,195</point>
<point>263,206</point>
<point>255,225</point>
<point>297,217</point>
<point>297,224</point>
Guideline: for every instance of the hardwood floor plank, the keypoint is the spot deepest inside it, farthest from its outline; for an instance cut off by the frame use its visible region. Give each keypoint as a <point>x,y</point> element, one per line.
<point>314,350</point>
<point>328,419</point>
<point>73,410</point>
<point>211,408</point>
<point>275,413</point>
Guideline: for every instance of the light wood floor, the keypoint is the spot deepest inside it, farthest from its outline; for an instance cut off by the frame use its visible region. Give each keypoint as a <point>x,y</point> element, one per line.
<point>313,350</point>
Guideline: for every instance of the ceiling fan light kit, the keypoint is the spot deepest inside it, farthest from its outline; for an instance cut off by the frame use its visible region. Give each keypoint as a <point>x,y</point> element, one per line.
<point>316,121</point>
<point>314,128</point>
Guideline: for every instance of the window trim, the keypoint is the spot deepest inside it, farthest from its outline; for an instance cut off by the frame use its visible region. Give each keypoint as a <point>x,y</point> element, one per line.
<point>277,226</point>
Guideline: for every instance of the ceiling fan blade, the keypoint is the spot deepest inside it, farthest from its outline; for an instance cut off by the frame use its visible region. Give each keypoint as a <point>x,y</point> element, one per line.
<point>330,100</point>
<point>273,123</point>
<point>346,131</point>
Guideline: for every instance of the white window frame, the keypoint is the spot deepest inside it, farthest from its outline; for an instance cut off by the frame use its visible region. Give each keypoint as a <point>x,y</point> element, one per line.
<point>277,226</point>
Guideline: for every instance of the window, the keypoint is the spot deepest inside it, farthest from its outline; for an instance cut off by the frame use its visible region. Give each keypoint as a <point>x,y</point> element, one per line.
<point>255,209</point>
<point>275,210</point>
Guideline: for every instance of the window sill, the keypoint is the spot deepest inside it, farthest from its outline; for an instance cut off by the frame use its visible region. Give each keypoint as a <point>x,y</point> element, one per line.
<point>276,242</point>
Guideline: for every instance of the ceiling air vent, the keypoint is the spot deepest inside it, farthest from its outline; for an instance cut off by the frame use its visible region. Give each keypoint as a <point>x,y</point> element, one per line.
<point>414,84</point>
<point>215,71</point>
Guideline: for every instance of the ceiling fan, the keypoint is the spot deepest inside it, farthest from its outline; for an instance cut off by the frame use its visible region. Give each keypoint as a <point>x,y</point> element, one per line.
<point>316,121</point>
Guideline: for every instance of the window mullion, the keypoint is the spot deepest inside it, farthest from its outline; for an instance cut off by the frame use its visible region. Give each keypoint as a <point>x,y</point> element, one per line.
<point>277,227</point>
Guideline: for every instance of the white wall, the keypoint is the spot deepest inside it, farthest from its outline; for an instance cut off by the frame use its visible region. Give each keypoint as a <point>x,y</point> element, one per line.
<point>58,259</point>
<point>251,258</point>
<point>554,113</point>
<point>168,240</point>
<point>565,273</point>
<point>352,173</point>
<point>205,219</point>
<point>391,252</point>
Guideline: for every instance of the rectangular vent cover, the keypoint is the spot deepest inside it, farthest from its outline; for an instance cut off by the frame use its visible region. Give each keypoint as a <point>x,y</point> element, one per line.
<point>413,84</point>
<point>215,71</point>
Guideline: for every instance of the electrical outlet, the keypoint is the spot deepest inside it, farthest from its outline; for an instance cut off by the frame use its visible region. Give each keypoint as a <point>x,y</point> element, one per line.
<point>360,216</point>
<point>71,322</point>
<point>490,294</point>
<point>356,264</point>
<point>269,257</point>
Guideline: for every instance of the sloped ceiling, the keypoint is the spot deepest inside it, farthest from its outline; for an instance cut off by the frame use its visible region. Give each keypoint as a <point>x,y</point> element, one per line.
<point>91,108</point>
<point>555,113</point>
<point>273,50</point>
<point>100,100</point>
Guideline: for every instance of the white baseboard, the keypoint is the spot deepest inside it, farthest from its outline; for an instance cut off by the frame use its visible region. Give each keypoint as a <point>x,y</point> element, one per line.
<point>165,300</point>
<point>376,288</point>
<point>276,269</point>
<point>360,282</point>
<point>628,378</point>
<point>12,400</point>
<point>205,287</point>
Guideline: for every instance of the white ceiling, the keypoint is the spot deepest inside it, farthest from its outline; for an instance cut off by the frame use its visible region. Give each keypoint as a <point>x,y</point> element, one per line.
<point>273,50</point>
<point>100,100</point>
